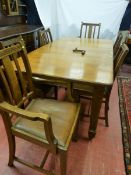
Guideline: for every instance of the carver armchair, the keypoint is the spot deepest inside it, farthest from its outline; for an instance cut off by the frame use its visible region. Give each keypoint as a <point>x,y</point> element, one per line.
<point>45,122</point>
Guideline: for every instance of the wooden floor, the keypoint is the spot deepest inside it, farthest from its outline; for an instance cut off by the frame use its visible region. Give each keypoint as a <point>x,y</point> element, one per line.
<point>101,156</point>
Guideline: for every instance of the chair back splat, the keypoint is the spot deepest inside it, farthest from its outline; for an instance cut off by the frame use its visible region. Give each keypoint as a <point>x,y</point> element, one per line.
<point>117,43</point>
<point>45,36</point>
<point>45,122</point>
<point>11,74</point>
<point>90,30</point>
<point>120,58</point>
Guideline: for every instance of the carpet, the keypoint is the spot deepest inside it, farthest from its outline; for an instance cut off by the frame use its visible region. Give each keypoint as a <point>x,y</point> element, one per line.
<point>124,89</point>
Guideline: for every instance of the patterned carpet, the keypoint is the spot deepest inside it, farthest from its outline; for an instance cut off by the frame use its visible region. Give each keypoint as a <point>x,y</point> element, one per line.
<point>124,87</point>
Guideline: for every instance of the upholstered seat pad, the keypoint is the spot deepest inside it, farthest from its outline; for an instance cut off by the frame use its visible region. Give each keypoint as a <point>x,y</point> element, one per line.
<point>63,115</point>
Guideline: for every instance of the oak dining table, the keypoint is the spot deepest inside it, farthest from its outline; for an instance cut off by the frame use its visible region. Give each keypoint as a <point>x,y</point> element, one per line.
<point>77,62</point>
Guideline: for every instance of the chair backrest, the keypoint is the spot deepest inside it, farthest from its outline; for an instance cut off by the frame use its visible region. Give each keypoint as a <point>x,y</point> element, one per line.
<point>121,38</point>
<point>45,36</point>
<point>12,41</point>
<point>117,43</point>
<point>120,57</point>
<point>12,79</point>
<point>90,30</point>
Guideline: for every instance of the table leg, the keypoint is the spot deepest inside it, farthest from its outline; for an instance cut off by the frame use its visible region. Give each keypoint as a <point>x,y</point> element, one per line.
<point>95,110</point>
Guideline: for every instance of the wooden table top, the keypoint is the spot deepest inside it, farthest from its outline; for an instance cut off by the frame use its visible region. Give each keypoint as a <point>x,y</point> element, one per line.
<point>58,60</point>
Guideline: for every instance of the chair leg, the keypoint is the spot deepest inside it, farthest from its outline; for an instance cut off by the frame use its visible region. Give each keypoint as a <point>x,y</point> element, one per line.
<point>106,113</point>
<point>12,148</point>
<point>75,134</point>
<point>63,162</point>
<point>56,92</point>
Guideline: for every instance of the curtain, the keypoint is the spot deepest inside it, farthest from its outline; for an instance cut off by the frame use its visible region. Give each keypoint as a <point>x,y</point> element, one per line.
<point>126,21</point>
<point>64,16</point>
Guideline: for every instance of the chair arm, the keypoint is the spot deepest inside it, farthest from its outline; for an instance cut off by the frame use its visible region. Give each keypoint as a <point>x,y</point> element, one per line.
<point>34,116</point>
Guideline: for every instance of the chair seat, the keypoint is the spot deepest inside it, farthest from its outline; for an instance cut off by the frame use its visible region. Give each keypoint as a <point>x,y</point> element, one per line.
<point>63,115</point>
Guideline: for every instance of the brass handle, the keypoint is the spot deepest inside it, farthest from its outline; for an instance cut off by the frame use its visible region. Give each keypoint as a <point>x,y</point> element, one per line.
<point>79,51</point>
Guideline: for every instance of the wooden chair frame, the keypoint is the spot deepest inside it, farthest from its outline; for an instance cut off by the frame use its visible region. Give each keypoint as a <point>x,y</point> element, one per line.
<point>88,30</point>
<point>121,55</point>
<point>45,36</point>
<point>14,104</point>
<point>117,44</point>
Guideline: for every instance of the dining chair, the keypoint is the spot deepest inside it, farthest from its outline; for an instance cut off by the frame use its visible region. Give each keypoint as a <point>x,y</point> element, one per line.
<point>45,122</point>
<point>119,41</point>
<point>119,60</point>
<point>86,93</point>
<point>117,44</point>
<point>44,84</point>
<point>45,36</point>
<point>90,30</point>
<point>121,56</point>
